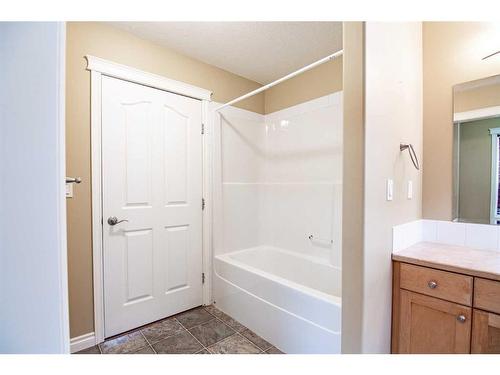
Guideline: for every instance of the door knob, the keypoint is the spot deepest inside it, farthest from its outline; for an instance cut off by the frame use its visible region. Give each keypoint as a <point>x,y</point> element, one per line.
<point>73,180</point>
<point>432,284</point>
<point>461,318</point>
<point>113,220</point>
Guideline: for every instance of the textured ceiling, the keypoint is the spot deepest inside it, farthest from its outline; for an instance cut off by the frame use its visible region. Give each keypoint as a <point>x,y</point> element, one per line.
<point>260,51</point>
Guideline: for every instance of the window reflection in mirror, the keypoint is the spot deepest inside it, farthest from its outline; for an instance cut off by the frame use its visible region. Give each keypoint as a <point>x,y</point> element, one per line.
<point>476,159</point>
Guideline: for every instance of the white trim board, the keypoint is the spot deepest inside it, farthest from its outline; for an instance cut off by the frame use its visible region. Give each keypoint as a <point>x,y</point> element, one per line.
<point>96,197</point>
<point>98,68</point>
<point>476,114</point>
<point>61,144</point>
<point>112,69</point>
<point>207,213</point>
<point>82,342</point>
<point>494,132</point>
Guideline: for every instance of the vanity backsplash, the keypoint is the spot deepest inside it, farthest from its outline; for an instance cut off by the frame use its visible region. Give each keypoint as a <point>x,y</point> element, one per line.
<point>478,236</point>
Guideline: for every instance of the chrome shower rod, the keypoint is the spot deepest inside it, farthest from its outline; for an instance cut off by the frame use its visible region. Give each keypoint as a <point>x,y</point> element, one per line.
<point>282,79</point>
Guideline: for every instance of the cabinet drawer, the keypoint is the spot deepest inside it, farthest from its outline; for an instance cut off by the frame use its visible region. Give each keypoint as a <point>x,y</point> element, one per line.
<point>441,284</point>
<point>487,295</point>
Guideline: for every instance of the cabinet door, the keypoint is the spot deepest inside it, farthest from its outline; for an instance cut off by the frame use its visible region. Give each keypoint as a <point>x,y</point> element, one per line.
<point>485,333</point>
<point>432,325</point>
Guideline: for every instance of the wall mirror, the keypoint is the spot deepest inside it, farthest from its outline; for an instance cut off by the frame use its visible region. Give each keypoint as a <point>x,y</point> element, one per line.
<point>476,151</point>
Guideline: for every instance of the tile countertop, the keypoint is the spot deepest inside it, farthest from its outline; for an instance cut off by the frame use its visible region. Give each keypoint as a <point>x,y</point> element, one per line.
<point>460,259</point>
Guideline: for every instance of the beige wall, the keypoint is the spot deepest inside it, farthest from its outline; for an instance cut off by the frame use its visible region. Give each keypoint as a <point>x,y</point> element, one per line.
<point>476,98</point>
<point>353,186</point>
<point>116,45</point>
<point>109,43</point>
<point>452,55</point>
<point>320,81</point>
<point>382,107</point>
<point>393,114</point>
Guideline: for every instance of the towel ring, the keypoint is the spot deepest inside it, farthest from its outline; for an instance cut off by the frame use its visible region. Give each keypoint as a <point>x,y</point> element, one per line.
<point>411,151</point>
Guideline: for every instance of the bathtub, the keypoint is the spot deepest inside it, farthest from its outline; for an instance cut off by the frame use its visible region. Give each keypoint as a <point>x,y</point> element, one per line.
<point>291,300</point>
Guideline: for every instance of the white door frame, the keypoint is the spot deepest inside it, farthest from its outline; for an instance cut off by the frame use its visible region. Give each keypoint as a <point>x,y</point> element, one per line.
<point>98,68</point>
<point>494,217</point>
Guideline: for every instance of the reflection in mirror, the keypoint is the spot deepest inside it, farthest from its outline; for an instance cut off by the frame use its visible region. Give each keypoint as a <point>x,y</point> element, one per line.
<point>476,131</point>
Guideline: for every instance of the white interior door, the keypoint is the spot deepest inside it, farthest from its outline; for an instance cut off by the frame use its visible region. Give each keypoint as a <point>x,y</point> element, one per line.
<point>152,177</point>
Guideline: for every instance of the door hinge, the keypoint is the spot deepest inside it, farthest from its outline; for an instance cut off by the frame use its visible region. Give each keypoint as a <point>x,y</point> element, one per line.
<point>202,203</point>
<point>203,277</point>
<point>202,128</point>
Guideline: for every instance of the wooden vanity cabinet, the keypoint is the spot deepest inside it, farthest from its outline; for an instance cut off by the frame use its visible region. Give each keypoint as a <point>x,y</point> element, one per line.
<point>485,333</point>
<point>486,317</point>
<point>437,311</point>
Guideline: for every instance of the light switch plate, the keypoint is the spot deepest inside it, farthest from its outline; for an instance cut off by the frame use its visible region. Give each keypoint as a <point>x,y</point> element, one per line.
<point>410,189</point>
<point>390,189</point>
<point>69,190</point>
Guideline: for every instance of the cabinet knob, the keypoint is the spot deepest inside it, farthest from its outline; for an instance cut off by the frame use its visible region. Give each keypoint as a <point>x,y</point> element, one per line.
<point>432,284</point>
<point>461,318</point>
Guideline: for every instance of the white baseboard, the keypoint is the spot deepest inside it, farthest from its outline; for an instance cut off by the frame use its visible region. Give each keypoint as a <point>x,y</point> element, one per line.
<point>82,342</point>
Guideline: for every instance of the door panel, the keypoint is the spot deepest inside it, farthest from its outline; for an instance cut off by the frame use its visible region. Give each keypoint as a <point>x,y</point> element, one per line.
<point>430,325</point>
<point>176,158</point>
<point>138,254</point>
<point>485,333</point>
<point>152,177</point>
<point>177,243</point>
<point>137,127</point>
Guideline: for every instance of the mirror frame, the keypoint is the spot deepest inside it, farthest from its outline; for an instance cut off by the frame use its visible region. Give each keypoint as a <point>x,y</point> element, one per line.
<point>473,115</point>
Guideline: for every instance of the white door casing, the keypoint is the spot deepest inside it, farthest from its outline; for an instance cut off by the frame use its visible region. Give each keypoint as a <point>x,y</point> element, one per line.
<point>152,177</point>
<point>99,69</point>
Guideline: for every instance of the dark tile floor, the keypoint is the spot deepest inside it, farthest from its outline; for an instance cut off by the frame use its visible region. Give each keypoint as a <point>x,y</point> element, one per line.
<point>203,330</point>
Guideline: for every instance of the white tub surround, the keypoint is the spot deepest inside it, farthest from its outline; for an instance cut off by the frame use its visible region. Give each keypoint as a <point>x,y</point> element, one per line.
<point>477,236</point>
<point>277,222</point>
<point>278,178</point>
<point>298,312</point>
